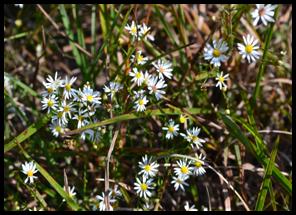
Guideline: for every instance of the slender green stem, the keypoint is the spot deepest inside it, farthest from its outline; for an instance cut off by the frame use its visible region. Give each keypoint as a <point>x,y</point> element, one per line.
<point>263,63</point>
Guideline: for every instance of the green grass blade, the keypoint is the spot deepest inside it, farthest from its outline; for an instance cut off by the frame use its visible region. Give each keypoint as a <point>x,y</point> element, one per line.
<point>22,85</point>
<point>26,133</point>
<point>17,36</point>
<point>105,43</point>
<point>130,116</point>
<point>236,132</point>
<point>79,57</point>
<point>81,42</point>
<point>266,180</point>
<point>52,181</point>
<point>102,13</point>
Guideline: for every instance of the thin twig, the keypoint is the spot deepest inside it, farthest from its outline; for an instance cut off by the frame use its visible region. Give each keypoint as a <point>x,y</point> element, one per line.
<point>125,186</point>
<point>107,167</point>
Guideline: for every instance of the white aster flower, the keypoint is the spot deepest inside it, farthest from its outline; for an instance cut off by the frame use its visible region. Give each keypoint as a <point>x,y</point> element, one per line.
<point>172,129</point>
<point>102,205</point>
<point>147,78</point>
<point>265,13</point>
<point>68,90</point>
<point>188,208</point>
<point>192,136</point>
<point>112,88</point>
<point>179,182</point>
<point>90,96</point>
<point>148,168</point>
<point>132,29</point>
<point>29,169</point>
<point>81,117</point>
<point>92,135</point>
<point>163,68</point>
<point>56,128</point>
<point>71,192</point>
<point>139,58</point>
<point>115,192</point>
<point>144,32</point>
<point>49,103</point>
<point>54,83</point>
<point>35,209</point>
<point>19,5</point>
<point>198,165</point>
<point>249,50</point>
<point>60,118</point>
<point>142,187</point>
<point>50,89</point>
<point>138,94</point>
<point>220,80</point>
<point>67,108</point>
<point>140,104</point>
<point>216,54</point>
<point>155,86</point>
<point>183,168</point>
<point>138,76</point>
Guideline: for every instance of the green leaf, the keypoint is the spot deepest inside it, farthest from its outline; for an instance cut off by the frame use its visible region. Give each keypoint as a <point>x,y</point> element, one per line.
<point>79,57</point>
<point>26,133</point>
<point>236,132</point>
<point>130,116</point>
<point>266,180</point>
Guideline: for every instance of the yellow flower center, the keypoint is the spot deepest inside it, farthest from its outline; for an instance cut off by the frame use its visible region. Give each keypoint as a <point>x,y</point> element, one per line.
<point>249,49</point>
<point>182,119</point>
<point>66,108</point>
<point>141,102</point>
<point>194,138</point>
<point>138,75</point>
<point>30,173</point>
<point>198,164</point>
<point>216,53</point>
<point>140,58</point>
<point>221,79</point>
<point>89,98</point>
<point>68,87</point>
<point>80,118</point>
<point>58,129</point>
<point>144,186</point>
<point>49,90</point>
<point>134,29</point>
<point>171,129</point>
<point>184,169</point>
<point>60,114</point>
<point>50,103</point>
<point>147,168</point>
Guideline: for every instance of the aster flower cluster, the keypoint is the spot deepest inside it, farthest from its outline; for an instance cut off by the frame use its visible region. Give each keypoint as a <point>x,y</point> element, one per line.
<point>149,83</point>
<point>184,167</point>
<point>139,31</point>
<point>217,52</point>
<point>144,185</point>
<point>66,103</point>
